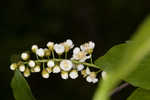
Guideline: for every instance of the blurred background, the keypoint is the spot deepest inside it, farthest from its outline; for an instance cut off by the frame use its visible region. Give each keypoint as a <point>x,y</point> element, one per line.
<point>27,22</point>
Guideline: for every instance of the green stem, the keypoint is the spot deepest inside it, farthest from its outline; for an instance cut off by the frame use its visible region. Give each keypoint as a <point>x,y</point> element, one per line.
<point>37,57</point>
<point>65,55</point>
<point>74,61</point>
<point>43,66</point>
<point>53,54</point>
<point>98,71</point>
<point>59,56</point>
<point>91,59</point>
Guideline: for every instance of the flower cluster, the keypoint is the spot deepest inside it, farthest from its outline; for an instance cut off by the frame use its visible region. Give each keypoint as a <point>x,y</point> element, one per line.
<point>47,61</point>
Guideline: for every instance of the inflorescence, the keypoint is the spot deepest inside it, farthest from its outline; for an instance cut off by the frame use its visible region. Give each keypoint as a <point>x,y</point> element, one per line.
<point>48,62</point>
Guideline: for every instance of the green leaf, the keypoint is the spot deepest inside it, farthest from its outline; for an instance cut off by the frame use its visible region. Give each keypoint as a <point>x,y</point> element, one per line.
<point>131,57</point>
<point>139,78</point>
<point>20,87</point>
<point>140,94</point>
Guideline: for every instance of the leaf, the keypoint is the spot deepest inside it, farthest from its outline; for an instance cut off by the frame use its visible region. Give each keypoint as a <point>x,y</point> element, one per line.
<point>139,78</point>
<point>140,94</point>
<point>131,57</point>
<point>20,87</point>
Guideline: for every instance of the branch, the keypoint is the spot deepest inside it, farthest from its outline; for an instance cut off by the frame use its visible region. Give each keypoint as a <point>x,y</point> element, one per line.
<point>118,89</point>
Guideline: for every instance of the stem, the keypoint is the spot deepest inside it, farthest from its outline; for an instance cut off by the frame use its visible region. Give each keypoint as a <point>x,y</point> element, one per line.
<point>53,54</point>
<point>74,61</point>
<point>118,89</point>
<point>65,55</point>
<point>48,57</point>
<point>91,59</point>
<point>43,66</point>
<point>59,56</point>
<point>37,57</point>
<point>98,71</point>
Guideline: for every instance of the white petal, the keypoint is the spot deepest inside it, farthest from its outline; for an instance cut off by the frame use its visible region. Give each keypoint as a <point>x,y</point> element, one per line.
<point>50,63</point>
<point>82,47</point>
<point>76,50</point>
<point>80,67</point>
<point>89,79</point>
<point>91,45</point>
<point>40,52</point>
<point>88,57</point>
<point>50,44</point>
<point>69,42</point>
<point>88,71</point>
<point>56,69</point>
<point>73,74</point>
<point>59,49</point>
<point>95,80</point>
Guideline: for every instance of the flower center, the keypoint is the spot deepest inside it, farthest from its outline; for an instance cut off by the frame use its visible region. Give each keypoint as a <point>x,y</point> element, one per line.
<point>81,55</point>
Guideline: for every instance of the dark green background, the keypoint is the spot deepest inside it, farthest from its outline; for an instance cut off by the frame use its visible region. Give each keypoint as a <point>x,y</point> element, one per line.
<point>27,22</point>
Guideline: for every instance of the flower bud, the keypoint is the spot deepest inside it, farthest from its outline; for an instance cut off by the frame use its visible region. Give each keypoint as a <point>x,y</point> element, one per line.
<point>31,63</point>
<point>73,74</point>
<point>37,68</point>
<point>64,75</point>
<point>25,56</point>
<point>34,48</point>
<point>27,72</point>
<point>13,66</point>
<point>22,68</point>
<point>45,74</point>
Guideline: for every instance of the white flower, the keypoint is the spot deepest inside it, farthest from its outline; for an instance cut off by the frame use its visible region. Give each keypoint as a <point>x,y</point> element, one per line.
<point>37,68</point>
<point>104,74</point>
<point>34,48</point>
<point>22,68</point>
<point>13,66</point>
<point>45,74</point>
<point>56,69</point>
<point>25,56</point>
<point>64,75</point>
<point>27,72</point>
<point>73,74</point>
<point>59,49</point>
<point>80,67</point>
<point>80,55</point>
<point>66,65</point>
<point>50,63</point>
<point>40,52</point>
<point>88,47</point>
<point>68,44</point>
<point>31,63</point>
<point>92,78</point>
<point>50,45</point>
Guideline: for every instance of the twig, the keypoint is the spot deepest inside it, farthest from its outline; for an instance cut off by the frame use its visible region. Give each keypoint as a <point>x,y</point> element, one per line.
<point>118,89</point>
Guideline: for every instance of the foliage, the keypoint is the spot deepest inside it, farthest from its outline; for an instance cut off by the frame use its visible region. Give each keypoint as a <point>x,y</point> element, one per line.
<point>21,88</point>
<point>130,58</point>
